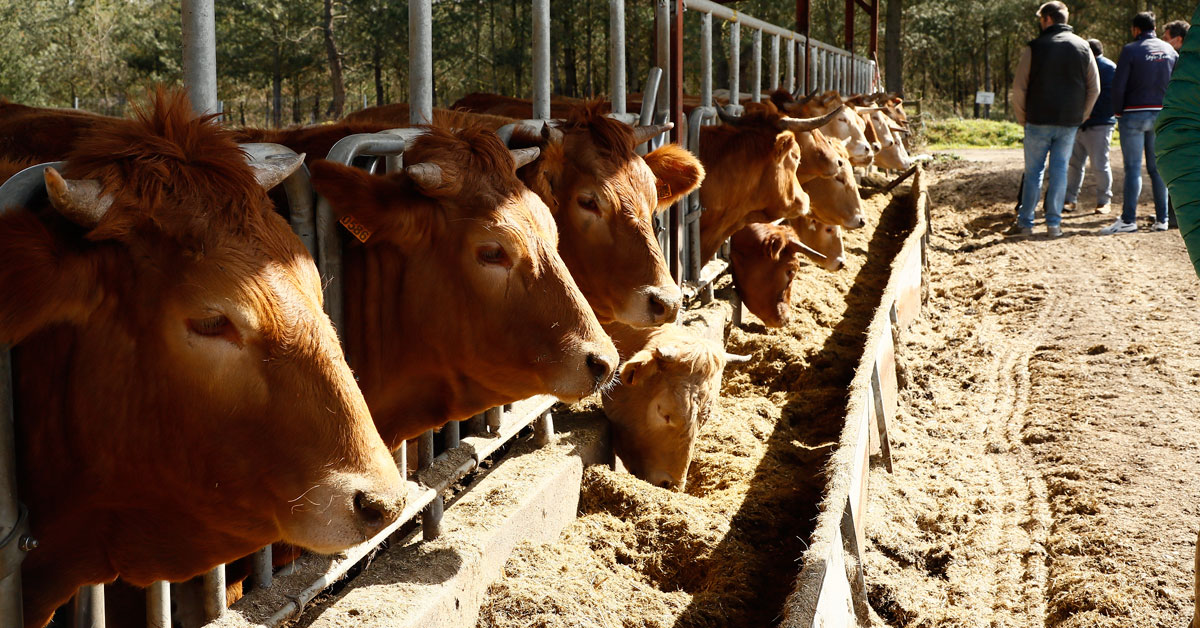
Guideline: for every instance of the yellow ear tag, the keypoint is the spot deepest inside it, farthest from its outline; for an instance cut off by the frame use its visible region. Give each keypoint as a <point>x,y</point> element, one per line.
<point>356,228</point>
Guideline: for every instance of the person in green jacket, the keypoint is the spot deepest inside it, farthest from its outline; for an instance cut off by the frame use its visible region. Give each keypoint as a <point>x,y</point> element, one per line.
<point>1178,153</point>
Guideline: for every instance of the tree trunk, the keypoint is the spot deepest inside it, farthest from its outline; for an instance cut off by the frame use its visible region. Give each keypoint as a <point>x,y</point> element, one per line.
<point>987,67</point>
<point>296,104</point>
<point>570,63</point>
<point>277,90</point>
<point>893,53</point>
<point>518,28</point>
<point>492,44</point>
<point>377,61</point>
<point>591,86</point>
<point>338,103</point>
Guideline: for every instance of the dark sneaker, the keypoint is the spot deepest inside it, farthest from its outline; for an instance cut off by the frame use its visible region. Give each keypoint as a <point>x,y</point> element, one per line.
<point>1054,231</point>
<point>1017,231</point>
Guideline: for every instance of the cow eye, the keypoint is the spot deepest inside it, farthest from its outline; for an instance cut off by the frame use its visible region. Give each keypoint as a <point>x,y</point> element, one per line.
<point>492,255</point>
<point>212,326</point>
<point>588,203</point>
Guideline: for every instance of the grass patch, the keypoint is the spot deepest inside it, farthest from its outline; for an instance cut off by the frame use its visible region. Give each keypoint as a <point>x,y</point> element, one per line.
<point>957,133</point>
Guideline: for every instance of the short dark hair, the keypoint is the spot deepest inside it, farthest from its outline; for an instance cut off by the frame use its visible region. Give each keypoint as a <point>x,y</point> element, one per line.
<point>1143,21</point>
<point>1056,11</point>
<point>1178,28</point>
<point>1097,47</point>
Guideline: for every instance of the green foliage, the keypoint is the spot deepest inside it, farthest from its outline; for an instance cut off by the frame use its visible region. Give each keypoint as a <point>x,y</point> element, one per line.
<point>959,133</point>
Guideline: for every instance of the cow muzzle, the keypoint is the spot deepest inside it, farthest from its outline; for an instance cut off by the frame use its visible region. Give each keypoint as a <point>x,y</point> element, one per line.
<point>342,511</point>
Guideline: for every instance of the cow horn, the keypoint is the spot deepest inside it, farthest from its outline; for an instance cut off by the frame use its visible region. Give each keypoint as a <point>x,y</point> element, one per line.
<point>733,358</point>
<point>645,133</point>
<point>551,133</point>
<point>428,176</point>
<point>273,169</point>
<point>809,96</point>
<point>726,117</point>
<point>808,124</point>
<point>524,156</point>
<point>78,200</point>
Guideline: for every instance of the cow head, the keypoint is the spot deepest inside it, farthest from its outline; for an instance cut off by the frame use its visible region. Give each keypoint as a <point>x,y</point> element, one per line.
<point>824,239</point>
<point>666,393</point>
<point>845,126</point>
<point>818,157</point>
<point>835,200</point>
<point>752,162</point>
<point>172,345</point>
<point>892,153</point>
<point>764,259</point>
<point>469,278</point>
<point>604,197</point>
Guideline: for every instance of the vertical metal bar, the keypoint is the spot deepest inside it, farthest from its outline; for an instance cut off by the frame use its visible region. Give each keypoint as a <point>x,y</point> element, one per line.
<point>735,63</point>
<point>706,66</point>
<point>494,416</point>
<point>451,434</point>
<point>214,593</point>
<point>756,68</point>
<point>262,567</point>
<point>158,605</point>
<point>662,34</point>
<point>616,55</point>
<point>329,261</point>
<point>89,607</point>
<point>679,241</point>
<point>401,458</point>
<point>200,54</point>
<point>541,59</point>
<point>791,66</point>
<point>431,517</point>
<point>774,82</point>
<point>476,425</point>
<point>10,507</point>
<point>543,431</point>
<point>420,61</point>
<point>802,25</point>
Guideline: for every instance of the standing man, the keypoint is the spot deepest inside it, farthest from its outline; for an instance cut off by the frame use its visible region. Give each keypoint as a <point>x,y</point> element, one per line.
<point>1055,87</point>
<point>1143,72</point>
<point>1093,139</point>
<point>1174,33</point>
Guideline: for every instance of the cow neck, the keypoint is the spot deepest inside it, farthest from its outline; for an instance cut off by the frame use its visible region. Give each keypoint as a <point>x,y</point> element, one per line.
<point>727,194</point>
<point>408,383</point>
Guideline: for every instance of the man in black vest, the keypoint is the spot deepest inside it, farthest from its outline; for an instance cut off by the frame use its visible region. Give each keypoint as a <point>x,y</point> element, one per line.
<point>1055,87</point>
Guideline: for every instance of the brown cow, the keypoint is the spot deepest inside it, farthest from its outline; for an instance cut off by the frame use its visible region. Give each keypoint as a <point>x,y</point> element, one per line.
<point>836,200</point>
<point>166,322</point>
<point>892,154</point>
<point>846,126</point>
<point>669,384</point>
<point>752,163</point>
<point>823,238</point>
<point>602,194</point>
<point>458,300</point>
<point>764,258</point>
<point>41,134</point>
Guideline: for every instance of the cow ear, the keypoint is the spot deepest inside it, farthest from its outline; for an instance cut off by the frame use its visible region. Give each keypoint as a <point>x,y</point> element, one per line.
<point>372,206</point>
<point>638,368</point>
<point>43,280</point>
<point>677,173</point>
<point>774,245</point>
<point>783,143</point>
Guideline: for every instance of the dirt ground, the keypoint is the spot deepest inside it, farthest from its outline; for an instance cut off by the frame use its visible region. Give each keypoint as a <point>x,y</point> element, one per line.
<point>1047,434</point>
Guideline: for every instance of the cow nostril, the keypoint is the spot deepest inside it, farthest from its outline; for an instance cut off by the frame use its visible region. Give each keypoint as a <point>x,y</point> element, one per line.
<point>876,146</point>
<point>663,309</point>
<point>840,264</point>
<point>840,164</point>
<point>600,366</point>
<point>371,510</point>
<point>665,484</point>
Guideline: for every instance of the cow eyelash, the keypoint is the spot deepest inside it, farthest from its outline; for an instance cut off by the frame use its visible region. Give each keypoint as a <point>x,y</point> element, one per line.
<point>589,203</point>
<point>213,326</point>
<point>492,255</point>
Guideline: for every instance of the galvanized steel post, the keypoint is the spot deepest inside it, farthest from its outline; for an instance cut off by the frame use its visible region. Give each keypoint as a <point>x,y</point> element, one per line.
<point>735,63</point>
<point>756,68</point>
<point>89,607</point>
<point>662,34</point>
<point>431,517</point>
<point>420,61</point>
<point>158,605</point>
<point>706,66</point>
<point>541,59</point>
<point>10,508</point>
<point>791,66</point>
<point>200,54</point>
<point>774,82</point>
<point>616,55</point>
<point>214,593</point>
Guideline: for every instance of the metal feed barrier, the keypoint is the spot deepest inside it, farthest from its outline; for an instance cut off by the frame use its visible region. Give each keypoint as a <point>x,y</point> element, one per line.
<point>463,448</point>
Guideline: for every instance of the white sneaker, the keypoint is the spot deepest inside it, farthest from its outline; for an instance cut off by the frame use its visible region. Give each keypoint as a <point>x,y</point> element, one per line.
<point>1160,226</point>
<point>1119,226</point>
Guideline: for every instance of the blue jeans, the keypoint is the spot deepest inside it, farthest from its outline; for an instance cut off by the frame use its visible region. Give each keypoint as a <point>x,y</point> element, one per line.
<point>1091,145</point>
<point>1137,137</point>
<point>1042,140</point>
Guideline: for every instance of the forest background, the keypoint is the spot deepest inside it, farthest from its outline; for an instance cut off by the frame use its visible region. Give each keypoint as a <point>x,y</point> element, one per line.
<point>286,62</point>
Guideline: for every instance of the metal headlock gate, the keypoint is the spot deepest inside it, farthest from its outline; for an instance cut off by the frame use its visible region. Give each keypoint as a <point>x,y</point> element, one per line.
<point>462,447</point>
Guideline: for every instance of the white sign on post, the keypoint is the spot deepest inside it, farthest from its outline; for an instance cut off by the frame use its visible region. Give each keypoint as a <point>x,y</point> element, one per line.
<point>985,98</point>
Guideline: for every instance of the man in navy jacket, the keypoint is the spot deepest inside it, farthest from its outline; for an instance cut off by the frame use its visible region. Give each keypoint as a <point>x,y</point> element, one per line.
<point>1094,138</point>
<point>1143,72</point>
